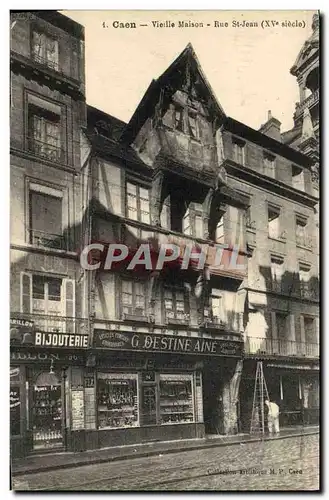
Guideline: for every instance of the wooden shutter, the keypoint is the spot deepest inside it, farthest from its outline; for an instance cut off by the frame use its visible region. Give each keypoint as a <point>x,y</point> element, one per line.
<point>26,292</point>
<point>69,297</point>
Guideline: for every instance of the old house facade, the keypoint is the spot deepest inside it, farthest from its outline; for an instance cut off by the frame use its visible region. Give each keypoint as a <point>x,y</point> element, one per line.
<point>158,353</point>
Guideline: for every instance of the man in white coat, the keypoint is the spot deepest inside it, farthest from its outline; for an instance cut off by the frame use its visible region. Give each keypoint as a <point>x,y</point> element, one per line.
<point>273,417</point>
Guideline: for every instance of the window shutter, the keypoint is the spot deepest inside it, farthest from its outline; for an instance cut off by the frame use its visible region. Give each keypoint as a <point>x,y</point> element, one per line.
<point>69,297</point>
<point>26,292</point>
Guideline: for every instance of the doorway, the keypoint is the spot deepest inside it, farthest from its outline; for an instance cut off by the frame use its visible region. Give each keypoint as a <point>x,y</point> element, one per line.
<point>212,403</point>
<point>47,412</point>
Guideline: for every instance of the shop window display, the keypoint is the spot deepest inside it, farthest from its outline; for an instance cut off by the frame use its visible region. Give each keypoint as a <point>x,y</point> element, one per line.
<point>47,416</point>
<point>117,399</point>
<point>176,399</point>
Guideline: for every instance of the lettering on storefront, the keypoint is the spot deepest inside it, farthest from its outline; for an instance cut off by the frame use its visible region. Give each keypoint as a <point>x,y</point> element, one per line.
<point>60,340</point>
<point>44,356</point>
<point>166,343</point>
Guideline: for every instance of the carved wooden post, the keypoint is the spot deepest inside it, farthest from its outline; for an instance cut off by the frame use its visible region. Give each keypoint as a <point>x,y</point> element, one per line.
<point>155,204</point>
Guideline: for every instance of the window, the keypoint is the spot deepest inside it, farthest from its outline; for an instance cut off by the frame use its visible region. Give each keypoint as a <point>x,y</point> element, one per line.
<point>269,165</point>
<point>133,298</point>
<point>193,125</point>
<point>187,228</point>
<point>51,299</point>
<point>44,134</point>
<point>238,151</point>
<point>179,118</point>
<point>176,399</point>
<point>138,203</point>
<point>219,233</point>
<point>276,273</point>
<point>174,305</point>
<point>282,326</point>
<point>117,400</point>
<point>199,226</point>
<point>304,277</point>
<point>193,221</point>
<point>274,223</point>
<point>45,50</point>
<point>45,216</point>
<point>309,330</point>
<point>302,238</point>
<point>298,178</point>
<point>217,307</point>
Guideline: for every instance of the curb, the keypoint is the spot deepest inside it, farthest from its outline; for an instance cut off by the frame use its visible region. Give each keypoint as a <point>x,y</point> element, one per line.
<point>150,453</point>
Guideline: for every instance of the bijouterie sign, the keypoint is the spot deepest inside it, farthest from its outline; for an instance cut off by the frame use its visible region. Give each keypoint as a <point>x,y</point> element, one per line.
<point>132,341</point>
<point>60,340</point>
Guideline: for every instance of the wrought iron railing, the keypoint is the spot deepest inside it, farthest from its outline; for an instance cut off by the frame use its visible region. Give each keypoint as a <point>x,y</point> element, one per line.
<point>45,61</point>
<point>48,240</point>
<point>46,150</point>
<point>52,324</point>
<point>278,347</point>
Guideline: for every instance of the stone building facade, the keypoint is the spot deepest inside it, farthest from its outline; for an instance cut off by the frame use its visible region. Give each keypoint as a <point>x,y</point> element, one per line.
<point>124,356</point>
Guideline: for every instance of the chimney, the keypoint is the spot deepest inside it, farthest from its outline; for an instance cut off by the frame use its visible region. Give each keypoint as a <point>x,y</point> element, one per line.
<point>272,127</point>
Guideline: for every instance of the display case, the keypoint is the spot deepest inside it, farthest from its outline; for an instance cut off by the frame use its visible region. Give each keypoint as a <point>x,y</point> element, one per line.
<point>176,399</point>
<point>117,400</point>
<point>47,417</point>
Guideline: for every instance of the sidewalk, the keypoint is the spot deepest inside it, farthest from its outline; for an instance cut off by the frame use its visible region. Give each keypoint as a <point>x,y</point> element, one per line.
<point>41,463</point>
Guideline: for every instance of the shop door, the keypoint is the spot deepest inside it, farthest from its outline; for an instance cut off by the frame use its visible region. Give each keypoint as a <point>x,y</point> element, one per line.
<point>212,403</point>
<point>47,412</point>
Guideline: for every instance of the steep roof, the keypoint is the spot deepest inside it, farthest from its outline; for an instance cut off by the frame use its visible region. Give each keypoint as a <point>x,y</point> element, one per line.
<point>171,80</point>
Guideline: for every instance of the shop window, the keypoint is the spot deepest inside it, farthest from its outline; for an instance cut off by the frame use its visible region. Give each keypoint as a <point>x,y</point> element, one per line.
<point>238,151</point>
<point>133,298</point>
<point>298,178</point>
<point>138,203</point>
<point>269,164</point>
<point>45,214</point>
<point>45,50</point>
<point>117,400</point>
<point>175,306</point>
<point>276,273</point>
<point>176,399</point>
<point>274,230</point>
<point>47,412</point>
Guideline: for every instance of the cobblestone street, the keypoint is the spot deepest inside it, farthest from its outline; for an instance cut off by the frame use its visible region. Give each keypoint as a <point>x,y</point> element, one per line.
<point>282,464</point>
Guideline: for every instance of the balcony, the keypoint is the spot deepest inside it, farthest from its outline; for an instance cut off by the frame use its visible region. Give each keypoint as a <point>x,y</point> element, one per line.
<point>46,150</point>
<point>308,292</point>
<point>45,61</point>
<point>280,348</point>
<point>47,240</point>
<point>232,324</point>
<point>308,102</point>
<point>32,323</point>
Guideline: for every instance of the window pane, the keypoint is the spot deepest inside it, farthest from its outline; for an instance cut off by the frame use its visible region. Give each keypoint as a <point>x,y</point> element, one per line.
<point>38,287</point>
<point>45,214</point>
<point>127,287</point>
<point>54,289</point>
<point>198,226</point>
<point>117,400</point>
<point>176,402</point>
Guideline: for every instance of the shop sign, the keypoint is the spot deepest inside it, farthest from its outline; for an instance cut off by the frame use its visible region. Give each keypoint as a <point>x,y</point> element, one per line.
<point>60,340</point>
<point>21,331</point>
<point>294,367</point>
<point>28,357</point>
<point>132,341</point>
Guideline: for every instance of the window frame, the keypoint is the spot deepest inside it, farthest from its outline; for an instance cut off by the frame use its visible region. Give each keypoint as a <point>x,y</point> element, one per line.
<point>269,164</point>
<point>278,211</point>
<point>138,187</point>
<point>239,146</point>
<point>48,190</point>
<point>134,283</point>
<point>174,290</point>
<point>45,36</point>
<point>39,105</point>
<point>277,282</point>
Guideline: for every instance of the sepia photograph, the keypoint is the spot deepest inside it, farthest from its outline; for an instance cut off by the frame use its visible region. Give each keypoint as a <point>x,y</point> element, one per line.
<point>164,250</point>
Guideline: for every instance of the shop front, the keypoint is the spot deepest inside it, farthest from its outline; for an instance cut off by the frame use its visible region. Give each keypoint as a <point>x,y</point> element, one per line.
<point>149,387</point>
<point>43,411</point>
<point>293,387</point>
